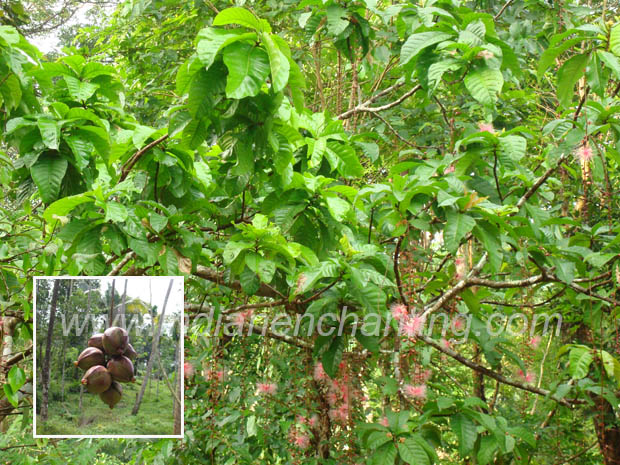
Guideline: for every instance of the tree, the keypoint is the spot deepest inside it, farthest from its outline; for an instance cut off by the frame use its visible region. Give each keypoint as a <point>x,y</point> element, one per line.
<point>153,354</point>
<point>45,372</point>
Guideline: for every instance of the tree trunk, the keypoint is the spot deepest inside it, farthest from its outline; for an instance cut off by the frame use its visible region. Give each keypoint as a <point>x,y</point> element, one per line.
<point>154,349</point>
<point>177,399</point>
<point>62,383</point>
<point>111,311</point>
<point>608,431</point>
<point>122,322</point>
<point>45,375</point>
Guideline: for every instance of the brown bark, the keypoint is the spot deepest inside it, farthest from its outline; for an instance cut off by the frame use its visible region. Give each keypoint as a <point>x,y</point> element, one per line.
<point>607,431</point>
<point>154,349</point>
<point>45,375</point>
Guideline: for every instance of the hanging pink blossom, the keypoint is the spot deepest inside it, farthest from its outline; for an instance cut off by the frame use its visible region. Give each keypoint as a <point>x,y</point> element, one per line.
<point>215,375</point>
<point>319,373</point>
<point>332,398</point>
<point>528,376</point>
<point>267,388</point>
<point>426,375</point>
<point>302,441</point>
<point>534,342</point>
<point>384,421</point>
<point>313,421</point>
<point>415,391</point>
<point>457,323</point>
<point>445,343</point>
<point>399,312</point>
<point>449,169</point>
<point>488,127</point>
<point>584,153</point>
<point>301,419</point>
<point>413,326</point>
<point>188,370</point>
<point>242,317</point>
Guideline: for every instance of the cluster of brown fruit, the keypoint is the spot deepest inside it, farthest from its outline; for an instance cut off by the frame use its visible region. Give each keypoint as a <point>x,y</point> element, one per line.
<point>107,362</point>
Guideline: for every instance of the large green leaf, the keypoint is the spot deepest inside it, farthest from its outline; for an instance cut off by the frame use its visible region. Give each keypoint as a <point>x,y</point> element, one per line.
<point>47,173</point>
<point>333,355</point>
<point>415,43</point>
<point>242,17</point>
<point>212,40</point>
<point>579,359</point>
<point>62,207</point>
<point>457,226</point>
<point>50,132</point>
<point>413,452</point>
<point>465,430</point>
<point>248,67</point>
<point>279,63</point>
<point>80,91</point>
<point>484,85</point>
<point>614,40</point>
<point>568,75</point>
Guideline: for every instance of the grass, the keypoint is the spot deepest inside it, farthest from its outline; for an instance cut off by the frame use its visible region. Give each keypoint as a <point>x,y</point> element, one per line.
<point>154,418</point>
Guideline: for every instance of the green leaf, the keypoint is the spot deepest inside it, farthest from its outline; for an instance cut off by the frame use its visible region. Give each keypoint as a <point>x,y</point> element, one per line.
<point>11,395</point>
<point>489,235</point>
<point>338,207</point>
<point>242,17</point>
<point>333,355</point>
<point>62,207</point>
<point>548,57</point>
<point>372,343</point>
<point>251,426</point>
<point>611,61</point>
<point>158,222</point>
<point>16,378</point>
<point>377,438</point>
<point>488,447</point>
<point>233,249</point>
<point>568,75</point>
<point>211,41</point>
<point>178,122</point>
<point>412,452</point>
<point>248,67</point>
<point>465,430</point>
<point>344,158</point>
<point>385,455</point>
<point>457,227</point>
<point>579,360</point>
<point>50,132</point>
<point>337,20</point>
<point>9,34</point>
<point>484,85</point>
<point>415,43</point>
<point>80,91</point>
<point>511,149</point>
<point>564,269</point>
<point>612,366</point>
<point>115,212</point>
<point>614,40</point>
<point>278,62</point>
<point>48,173</point>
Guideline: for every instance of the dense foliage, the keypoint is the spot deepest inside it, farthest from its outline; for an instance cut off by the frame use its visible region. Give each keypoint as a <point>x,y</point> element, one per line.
<point>401,161</point>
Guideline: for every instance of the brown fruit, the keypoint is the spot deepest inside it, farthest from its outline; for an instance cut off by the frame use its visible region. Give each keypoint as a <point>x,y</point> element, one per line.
<point>97,379</point>
<point>89,358</point>
<point>130,353</point>
<point>113,395</point>
<point>121,369</point>
<point>115,340</point>
<point>96,340</point>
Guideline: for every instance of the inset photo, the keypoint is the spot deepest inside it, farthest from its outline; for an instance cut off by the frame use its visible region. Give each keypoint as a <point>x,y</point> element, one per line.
<point>108,356</point>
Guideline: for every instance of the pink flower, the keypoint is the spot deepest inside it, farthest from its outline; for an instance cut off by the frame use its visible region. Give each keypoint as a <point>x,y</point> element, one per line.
<point>267,388</point>
<point>301,419</point>
<point>384,421</point>
<point>241,317</point>
<point>399,312</point>
<point>332,398</point>
<point>449,169</point>
<point>188,370</point>
<point>319,372</point>
<point>413,326</point>
<point>426,375</point>
<point>302,441</point>
<point>461,268</point>
<point>415,391</point>
<point>313,421</point>
<point>445,343</point>
<point>584,153</point>
<point>486,54</point>
<point>534,342</point>
<point>457,323</point>
<point>488,127</point>
<point>528,376</point>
